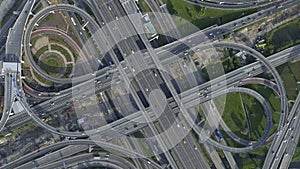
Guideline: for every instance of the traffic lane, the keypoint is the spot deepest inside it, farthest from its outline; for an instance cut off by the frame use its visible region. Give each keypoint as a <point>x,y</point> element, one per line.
<point>280,55</point>
<point>150,85</point>
<point>227,78</point>
<point>126,79</point>
<point>55,156</point>
<point>13,44</point>
<point>261,140</point>
<point>168,113</point>
<point>8,100</point>
<point>284,7</point>
<point>58,145</point>
<point>45,12</point>
<point>5,28</point>
<point>77,159</point>
<point>283,136</point>
<point>198,36</point>
<point>231,5</point>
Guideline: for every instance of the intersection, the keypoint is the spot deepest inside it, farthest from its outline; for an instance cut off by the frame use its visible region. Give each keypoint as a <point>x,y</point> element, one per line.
<point>127,63</point>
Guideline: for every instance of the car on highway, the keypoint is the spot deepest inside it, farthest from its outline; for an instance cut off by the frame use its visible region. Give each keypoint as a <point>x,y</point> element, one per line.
<point>96,156</point>
<point>201,94</point>
<point>107,156</point>
<point>218,134</point>
<point>195,147</point>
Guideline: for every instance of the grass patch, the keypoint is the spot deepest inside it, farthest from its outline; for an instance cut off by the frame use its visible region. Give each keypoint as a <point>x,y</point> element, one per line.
<point>283,37</point>
<point>68,70</point>
<point>40,52</point>
<point>252,160</point>
<point>33,40</point>
<point>42,80</point>
<point>201,17</point>
<point>79,19</point>
<point>249,160</point>
<point>54,39</point>
<point>144,6</point>
<point>296,156</point>
<point>162,40</point>
<point>62,51</point>
<point>273,100</point>
<point>289,73</point>
<point>38,8</point>
<point>52,65</point>
<point>24,128</point>
<point>235,118</point>
<point>47,18</point>
<point>89,11</point>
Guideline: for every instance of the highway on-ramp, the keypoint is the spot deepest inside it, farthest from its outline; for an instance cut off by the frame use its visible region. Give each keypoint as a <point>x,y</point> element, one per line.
<point>59,145</point>
<point>163,52</point>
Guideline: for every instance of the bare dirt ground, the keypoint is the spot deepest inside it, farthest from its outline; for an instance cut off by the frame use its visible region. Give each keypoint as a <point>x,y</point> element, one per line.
<point>56,20</point>
<point>249,34</point>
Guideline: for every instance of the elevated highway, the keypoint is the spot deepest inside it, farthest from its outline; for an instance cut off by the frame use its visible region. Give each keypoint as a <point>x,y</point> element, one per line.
<point>246,81</point>
<point>11,69</point>
<point>28,33</point>
<point>276,60</point>
<point>65,7</point>
<point>15,36</point>
<point>292,140</point>
<point>240,74</point>
<point>175,48</point>
<point>6,27</point>
<point>101,132</point>
<point>233,4</point>
<point>195,102</point>
<point>283,146</point>
<point>59,145</point>
<point>112,161</point>
<point>8,100</point>
<point>54,155</point>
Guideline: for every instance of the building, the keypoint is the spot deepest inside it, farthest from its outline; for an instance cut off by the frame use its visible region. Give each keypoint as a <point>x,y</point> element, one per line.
<point>10,63</point>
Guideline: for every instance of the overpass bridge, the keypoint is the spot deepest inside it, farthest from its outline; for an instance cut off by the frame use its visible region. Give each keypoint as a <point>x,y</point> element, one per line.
<point>12,76</point>
<point>11,62</point>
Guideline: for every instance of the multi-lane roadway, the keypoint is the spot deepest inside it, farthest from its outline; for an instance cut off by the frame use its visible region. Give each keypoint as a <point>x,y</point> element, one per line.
<point>44,150</point>
<point>277,81</point>
<point>13,49</point>
<point>234,4</point>
<point>193,98</point>
<point>276,59</point>
<point>285,141</point>
<point>175,47</point>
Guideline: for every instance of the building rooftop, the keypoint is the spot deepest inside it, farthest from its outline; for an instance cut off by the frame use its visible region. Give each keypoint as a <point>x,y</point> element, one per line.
<point>11,63</point>
<point>17,107</point>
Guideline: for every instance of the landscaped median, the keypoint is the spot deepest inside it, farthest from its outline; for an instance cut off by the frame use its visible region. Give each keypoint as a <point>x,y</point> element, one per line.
<point>63,51</point>
<point>201,17</point>
<point>57,58</point>
<point>283,37</point>
<point>52,64</point>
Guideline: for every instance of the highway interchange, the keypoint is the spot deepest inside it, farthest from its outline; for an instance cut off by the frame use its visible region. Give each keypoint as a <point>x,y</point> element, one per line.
<point>178,102</point>
<point>234,4</point>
